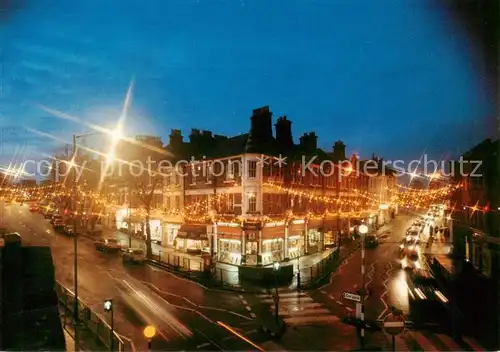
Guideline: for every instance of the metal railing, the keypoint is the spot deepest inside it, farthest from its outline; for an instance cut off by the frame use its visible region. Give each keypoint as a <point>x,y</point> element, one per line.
<point>179,262</point>
<point>89,319</point>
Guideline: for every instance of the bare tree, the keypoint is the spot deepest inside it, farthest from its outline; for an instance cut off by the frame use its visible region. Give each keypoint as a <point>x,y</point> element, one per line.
<point>145,192</point>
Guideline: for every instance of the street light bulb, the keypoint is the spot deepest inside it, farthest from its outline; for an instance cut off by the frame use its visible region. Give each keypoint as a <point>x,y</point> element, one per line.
<point>363,229</point>
<point>117,134</point>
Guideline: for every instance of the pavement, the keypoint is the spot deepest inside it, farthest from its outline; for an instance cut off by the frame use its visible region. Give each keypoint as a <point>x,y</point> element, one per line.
<point>99,274</point>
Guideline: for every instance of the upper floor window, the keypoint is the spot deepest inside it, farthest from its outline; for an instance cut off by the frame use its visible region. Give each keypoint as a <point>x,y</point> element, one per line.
<point>209,171</point>
<point>230,170</point>
<point>252,204</point>
<point>252,169</point>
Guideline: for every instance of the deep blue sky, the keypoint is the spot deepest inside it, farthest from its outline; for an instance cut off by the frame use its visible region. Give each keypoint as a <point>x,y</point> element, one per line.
<point>395,77</point>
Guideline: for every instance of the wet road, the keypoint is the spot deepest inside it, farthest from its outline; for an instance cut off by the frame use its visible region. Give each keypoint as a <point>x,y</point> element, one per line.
<point>196,307</point>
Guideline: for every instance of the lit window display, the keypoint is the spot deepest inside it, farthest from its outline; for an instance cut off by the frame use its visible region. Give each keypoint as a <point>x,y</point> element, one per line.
<point>295,246</point>
<point>229,251</point>
<point>272,250</point>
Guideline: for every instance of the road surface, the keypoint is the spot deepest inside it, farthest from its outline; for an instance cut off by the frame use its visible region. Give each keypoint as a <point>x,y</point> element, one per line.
<point>99,273</point>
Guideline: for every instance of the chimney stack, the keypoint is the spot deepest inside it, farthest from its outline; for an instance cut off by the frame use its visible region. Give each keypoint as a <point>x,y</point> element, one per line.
<point>339,151</point>
<point>309,142</point>
<point>284,132</point>
<point>176,138</point>
<point>262,129</point>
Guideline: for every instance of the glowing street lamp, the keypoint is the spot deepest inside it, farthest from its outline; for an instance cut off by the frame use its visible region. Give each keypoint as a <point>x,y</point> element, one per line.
<point>149,332</point>
<point>363,229</point>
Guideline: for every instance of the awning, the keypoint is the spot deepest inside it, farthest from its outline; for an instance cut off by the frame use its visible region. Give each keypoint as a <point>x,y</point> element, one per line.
<point>193,228</point>
<point>193,232</point>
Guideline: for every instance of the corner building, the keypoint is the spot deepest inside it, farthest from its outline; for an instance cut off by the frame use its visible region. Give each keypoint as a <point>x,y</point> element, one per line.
<point>257,199</point>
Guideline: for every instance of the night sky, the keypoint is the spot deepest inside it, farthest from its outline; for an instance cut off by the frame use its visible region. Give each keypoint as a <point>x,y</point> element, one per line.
<point>393,77</point>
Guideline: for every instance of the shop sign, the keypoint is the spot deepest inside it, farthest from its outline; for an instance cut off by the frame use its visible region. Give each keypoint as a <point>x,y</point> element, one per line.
<point>252,226</point>
<point>228,224</point>
<point>298,222</point>
<point>251,236</point>
<point>275,224</point>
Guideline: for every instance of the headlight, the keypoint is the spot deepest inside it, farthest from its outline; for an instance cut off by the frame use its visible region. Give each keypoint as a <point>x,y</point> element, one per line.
<point>411,248</point>
<point>401,246</point>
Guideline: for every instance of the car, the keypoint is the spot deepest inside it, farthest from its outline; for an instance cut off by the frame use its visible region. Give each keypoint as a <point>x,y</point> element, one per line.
<point>49,213</point>
<point>371,241</point>
<point>134,256</point>
<point>34,208</point>
<point>55,217</point>
<point>409,244</point>
<point>69,230</point>
<point>58,224</point>
<point>429,306</point>
<point>411,261</point>
<point>104,244</point>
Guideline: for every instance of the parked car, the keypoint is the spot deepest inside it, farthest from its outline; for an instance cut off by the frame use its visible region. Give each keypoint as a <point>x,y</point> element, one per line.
<point>107,245</point>
<point>55,217</point>
<point>49,213</point>
<point>371,241</point>
<point>58,224</point>
<point>69,230</point>
<point>134,256</point>
<point>34,208</point>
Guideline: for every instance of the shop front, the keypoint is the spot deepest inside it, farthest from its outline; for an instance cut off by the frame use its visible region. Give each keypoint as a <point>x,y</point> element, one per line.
<point>170,230</point>
<point>129,221</point>
<point>330,233</point>
<point>272,242</point>
<point>192,239</point>
<point>296,235</point>
<point>229,244</point>
<point>252,232</point>
<point>314,236</point>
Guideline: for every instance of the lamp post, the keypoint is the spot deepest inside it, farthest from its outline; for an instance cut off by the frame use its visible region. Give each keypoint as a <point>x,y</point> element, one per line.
<point>363,230</point>
<point>276,297</point>
<point>116,134</point>
<point>149,332</point>
<point>108,307</point>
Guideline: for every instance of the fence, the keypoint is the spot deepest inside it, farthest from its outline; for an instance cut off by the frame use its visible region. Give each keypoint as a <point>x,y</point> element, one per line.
<point>229,275</point>
<point>178,262</point>
<point>99,328</point>
<point>316,271</point>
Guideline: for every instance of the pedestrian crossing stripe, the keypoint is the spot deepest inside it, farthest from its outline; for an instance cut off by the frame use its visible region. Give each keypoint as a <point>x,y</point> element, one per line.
<point>289,299</point>
<point>283,294</point>
<point>448,341</point>
<point>311,320</point>
<point>437,342</point>
<point>299,309</point>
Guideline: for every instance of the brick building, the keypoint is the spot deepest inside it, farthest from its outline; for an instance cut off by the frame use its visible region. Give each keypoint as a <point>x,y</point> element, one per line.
<point>475,231</point>
<point>253,201</point>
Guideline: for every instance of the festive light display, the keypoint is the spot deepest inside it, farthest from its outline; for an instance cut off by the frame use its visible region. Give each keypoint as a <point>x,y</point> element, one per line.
<point>355,204</point>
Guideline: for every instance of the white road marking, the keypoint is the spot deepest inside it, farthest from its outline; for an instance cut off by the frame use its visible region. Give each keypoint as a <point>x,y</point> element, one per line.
<point>240,296</point>
<point>204,345</point>
<point>323,292</point>
<point>297,300</point>
<point>331,297</point>
<point>252,314</point>
<point>340,303</point>
<point>248,308</point>
<point>244,302</point>
<point>349,309</point>
<point>311,320</point>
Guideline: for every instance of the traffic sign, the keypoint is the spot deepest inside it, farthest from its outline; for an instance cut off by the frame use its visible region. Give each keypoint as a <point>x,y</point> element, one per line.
<point>394,324</point>
<point>351,296</point>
